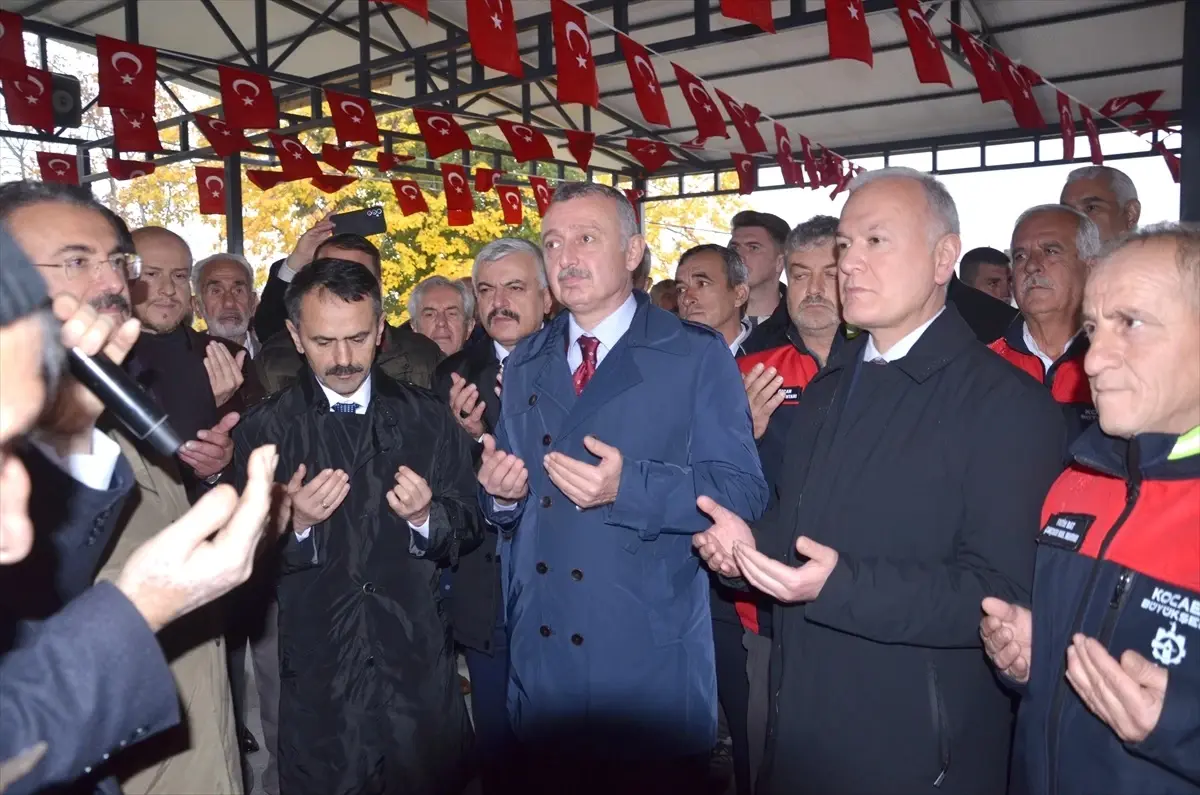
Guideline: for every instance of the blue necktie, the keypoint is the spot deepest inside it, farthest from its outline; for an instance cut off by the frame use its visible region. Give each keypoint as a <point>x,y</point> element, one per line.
<point>345,408</point>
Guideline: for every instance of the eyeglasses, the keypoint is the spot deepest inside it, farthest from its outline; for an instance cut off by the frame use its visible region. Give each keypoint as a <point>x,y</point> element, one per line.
<point>128,266</point>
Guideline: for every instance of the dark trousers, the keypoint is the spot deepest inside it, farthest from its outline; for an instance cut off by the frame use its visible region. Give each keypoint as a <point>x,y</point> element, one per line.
<point>733,691</point>
<point>494,742</point>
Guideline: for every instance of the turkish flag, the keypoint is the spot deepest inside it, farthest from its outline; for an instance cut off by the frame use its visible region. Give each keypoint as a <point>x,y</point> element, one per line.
<point>224,140</point>
<point>843,178</point>
<point>542,194</point>
<point>265,180</point>
<point>646,87</point>
<point>210,182</point>
<point>12,46</point>
<point>485,178</point>
<point>459,217</point>
<point>458,192</point>
<point>576,68</point>
<point>1020,94</point>
<point>924,45</point>
<point>332,183</point>
<point>747,173</point>
<point>849,35</point>
<point>57,167</point>
<point>756,12</point>
<point>419,7</point>
<point>1171,157</point>
<point>27,100</point>
<point>635,198</point>
<point>745,121</point>
<point>651,154</point>
<point>1066,122</point>
<point>441,132</point>
<point>1145,100</point>
<point>810,162</point>
<point>788,166</point>
<point>248,99</point>
<point>126,73</point>
<point>1152,119</point>
<point>353,118</point>
<point>124,170</point>
<point>294,158</point>
<point>580,145</point>
<point>526,143</point>
<point>386,161</point>
<point>409,197</point>
<point>709,123</point>
<point>510,202</point>
<point>987,74</point>
<point>341,159</point>
<point>134,131</point>
<point>1093,135</point>
<point>493,35</point>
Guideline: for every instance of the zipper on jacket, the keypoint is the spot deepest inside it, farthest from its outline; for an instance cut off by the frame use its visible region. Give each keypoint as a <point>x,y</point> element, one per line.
<point>937,710</point>
<point>1115,603</point>
<point>1133,488</point>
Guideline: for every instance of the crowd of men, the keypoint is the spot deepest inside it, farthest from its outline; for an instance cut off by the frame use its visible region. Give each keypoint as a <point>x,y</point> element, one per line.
<point>867,530</point>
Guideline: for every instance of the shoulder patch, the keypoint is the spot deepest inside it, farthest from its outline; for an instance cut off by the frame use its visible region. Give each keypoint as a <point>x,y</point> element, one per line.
<point>1066,530</point>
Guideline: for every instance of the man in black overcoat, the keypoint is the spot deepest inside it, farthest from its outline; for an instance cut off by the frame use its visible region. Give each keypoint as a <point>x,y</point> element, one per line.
<point>382,489</point>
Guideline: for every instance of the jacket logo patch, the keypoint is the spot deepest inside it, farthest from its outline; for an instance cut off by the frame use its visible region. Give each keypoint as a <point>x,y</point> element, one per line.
<point>1168,646</point>
<point>1066,530</point>
<point>1174,607</point>
<point>790,393</point>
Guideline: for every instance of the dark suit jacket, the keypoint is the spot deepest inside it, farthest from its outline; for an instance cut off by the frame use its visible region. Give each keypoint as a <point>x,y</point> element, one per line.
<point>987,317</point>
<point>271,314</point>
<point>475,599</point>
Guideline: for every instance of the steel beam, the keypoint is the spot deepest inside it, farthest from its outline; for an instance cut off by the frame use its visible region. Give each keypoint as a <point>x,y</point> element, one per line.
<point>215,13</point>
<point>303,37</point>
<point>38,7</point>
<point>95,13</point>
<point>233,204</point>
<point>1189,166</point>
<point>131,21</point>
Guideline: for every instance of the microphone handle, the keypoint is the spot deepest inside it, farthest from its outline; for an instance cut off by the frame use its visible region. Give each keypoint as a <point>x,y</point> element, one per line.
<point>129,403</point>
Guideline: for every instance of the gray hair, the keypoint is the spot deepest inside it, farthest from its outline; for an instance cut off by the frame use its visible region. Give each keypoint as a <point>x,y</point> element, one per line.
<point>582,190</point>
<point>1087,234</point>
<point>418,295</point>
<point>53,354</point>
<point>735,269</point>
<point>238,259</point>
<point>505,246</point>
<point>807,235</point>
<point>1118,181</point>
<point>941,203</point>
<point>1185,236</point>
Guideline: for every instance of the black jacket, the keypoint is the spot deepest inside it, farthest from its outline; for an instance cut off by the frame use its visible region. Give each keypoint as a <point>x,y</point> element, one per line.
<point>773,331</point>
<point>987,317</point>
<point>928,482</point>
<point>475,600</point>
<point>271,313</point>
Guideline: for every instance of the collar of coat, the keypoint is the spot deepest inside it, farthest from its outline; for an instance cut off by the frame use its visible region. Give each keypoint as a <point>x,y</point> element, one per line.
<point>306,396</point>
<point>1147,456</point>
<point>1014,337</point>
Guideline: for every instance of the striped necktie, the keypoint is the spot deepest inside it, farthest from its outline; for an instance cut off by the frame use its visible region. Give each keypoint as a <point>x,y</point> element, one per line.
<point>345,408</point>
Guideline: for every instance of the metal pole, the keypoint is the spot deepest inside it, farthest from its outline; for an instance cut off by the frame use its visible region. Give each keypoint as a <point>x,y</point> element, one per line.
<point>364,46</point>
<point>233,203</point>
<point>131,21</point>
<point>1189,170</point>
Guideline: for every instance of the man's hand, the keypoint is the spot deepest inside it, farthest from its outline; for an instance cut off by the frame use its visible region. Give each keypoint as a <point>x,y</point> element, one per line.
<point>181,568</point>
<point>1127,695</point>
<point>466,406</point>
<point>224,371</point>
<point>67,424</point>
<point>212,450</point>
<point>315,501</point>
<point>306,247</point>
<point>587,485</point>
<point>502,474</point>
<point>763,390</point>
<point>787,583</point>
<point>1007,632</point>
<point>715,545</point>
<point>410,497</point>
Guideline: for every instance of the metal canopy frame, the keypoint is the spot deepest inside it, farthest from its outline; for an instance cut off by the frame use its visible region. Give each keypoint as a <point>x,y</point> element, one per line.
<point>433,69</point>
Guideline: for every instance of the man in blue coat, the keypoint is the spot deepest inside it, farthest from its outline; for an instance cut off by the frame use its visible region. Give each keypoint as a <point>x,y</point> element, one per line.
<point>616,417</point>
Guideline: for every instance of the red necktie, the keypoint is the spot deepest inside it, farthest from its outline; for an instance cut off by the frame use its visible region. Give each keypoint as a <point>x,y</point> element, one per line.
<point>587,368</point>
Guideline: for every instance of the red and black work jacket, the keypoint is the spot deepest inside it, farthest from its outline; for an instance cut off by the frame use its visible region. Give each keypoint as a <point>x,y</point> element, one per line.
<point>1118,560</point>
<point>1066,379</point>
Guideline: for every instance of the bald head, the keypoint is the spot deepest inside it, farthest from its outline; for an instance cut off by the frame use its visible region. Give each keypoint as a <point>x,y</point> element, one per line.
<point>162,293</point>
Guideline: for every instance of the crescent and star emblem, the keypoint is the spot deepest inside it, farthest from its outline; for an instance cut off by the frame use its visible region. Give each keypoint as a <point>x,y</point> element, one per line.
<point>1116,105</point>
<point>1019,79</point>
<point>66,166</point>
<point>35,80</point>
<point>1,30</point>
<point>645,68</point>
<point>137,172</point>
<point>919,20</point>
<point>246,98</point>
<point>456,179</point>
<point>445,129</point>
<point>527,135</point>
<point>512,198</point>
<point>573,27</point>
<point>299,150</point>
<point>361,110</point>
<point>126,56</point>
<point>220,126</point>
<point>704,99</point>
<point>497,21</point>
<point>135,121</point>
<point>542,192</point>
<point>405,189</point>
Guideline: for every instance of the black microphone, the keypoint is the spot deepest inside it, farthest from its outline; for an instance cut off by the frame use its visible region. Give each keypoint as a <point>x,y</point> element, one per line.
<point>128,402</point>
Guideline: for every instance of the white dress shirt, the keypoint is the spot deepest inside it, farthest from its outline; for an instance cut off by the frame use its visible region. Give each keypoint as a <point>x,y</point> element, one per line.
<point>608,331</point>
<point>1047,360</point>
<point>361,398</point>
<point>94,469</point>
<point>743,332</point>
<point>901,348</point>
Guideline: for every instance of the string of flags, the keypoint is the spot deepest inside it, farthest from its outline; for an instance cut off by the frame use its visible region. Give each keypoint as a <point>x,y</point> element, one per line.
<point>127,73</point>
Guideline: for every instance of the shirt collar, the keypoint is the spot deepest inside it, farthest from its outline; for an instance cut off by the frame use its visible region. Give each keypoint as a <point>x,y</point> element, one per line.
<point>361,396</point>
<point>743,332</point>
<point>901,348</point>
<point>610,330</point>
<point>1032,345</point>
<point>502,354</point>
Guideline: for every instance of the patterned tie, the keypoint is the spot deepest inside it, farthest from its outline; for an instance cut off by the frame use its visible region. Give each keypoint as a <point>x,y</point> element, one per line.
<point>586,368</point>
<point>345,408</point>
<point>878,360</point>
<point>499,379</point>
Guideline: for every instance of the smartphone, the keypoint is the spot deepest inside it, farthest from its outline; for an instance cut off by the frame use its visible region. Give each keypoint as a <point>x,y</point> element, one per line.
<point>370,221</point>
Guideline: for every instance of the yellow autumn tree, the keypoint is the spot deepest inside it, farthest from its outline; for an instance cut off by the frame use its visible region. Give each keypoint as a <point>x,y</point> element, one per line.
<point>675,225</point>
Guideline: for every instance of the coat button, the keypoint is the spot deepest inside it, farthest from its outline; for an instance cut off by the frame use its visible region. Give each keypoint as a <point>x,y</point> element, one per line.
<point>577,639</point>
<point>546,440</point>
<point>370,662</point>
<point>545,630</point>
<point>546,501</point>
<point>533,400</point>
<point>576,575</point>
<point>541,567</point>
<point>369,587</point>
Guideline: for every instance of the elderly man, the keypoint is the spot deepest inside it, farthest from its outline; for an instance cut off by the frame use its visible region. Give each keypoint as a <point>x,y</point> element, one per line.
<point>988,271</point>
<point>1106,660</point>
<point>919,456</point>
<point>1052,248</point>
<point>443,311</point>
<point>223,294</point>
<point>759,239</point>
<point>714,285</point>
<point>665,295</point>
<point>612,687</point>
<point>1105,195</point>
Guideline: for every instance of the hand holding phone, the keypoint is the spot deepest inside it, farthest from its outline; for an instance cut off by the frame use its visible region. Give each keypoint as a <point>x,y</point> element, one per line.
<point>370,221</point>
